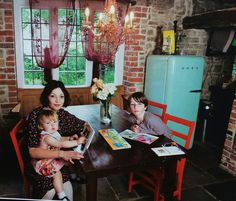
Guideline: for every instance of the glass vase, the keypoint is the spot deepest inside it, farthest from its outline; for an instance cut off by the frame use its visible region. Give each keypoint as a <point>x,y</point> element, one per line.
<point>105,108</point>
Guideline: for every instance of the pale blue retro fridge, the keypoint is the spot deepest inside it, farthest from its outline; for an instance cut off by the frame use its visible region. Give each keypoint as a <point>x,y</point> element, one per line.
<point>175,81</point>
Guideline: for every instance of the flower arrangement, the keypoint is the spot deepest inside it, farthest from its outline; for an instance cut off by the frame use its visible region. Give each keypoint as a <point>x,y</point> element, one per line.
<point>102,91</point>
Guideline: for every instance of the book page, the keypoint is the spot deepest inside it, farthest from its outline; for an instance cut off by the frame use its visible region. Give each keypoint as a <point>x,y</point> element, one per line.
<point>114,139</point>
<point>141,137</point>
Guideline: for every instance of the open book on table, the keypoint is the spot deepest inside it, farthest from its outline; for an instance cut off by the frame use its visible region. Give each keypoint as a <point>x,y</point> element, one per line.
<point>141,137</point>
<point>114,139</point>
<point>89,136</point>
<point>168,151</point>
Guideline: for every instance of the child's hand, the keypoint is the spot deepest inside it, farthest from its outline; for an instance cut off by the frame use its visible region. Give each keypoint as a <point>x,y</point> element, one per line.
<point>135,128</point>
<point>81,140</point>
<point>86,130</point>
<point>73,137</point>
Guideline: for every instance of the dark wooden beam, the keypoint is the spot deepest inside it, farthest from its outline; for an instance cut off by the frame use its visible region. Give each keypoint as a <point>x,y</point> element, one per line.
<point>215,19</point>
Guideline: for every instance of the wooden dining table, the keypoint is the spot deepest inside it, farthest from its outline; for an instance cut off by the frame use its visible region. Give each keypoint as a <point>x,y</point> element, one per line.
<point>101,161</point>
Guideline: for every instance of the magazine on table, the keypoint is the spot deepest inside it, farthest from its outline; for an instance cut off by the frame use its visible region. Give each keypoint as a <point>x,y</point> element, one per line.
<point>114,139</point>
<point>141,137</point>
<point>168,151</point>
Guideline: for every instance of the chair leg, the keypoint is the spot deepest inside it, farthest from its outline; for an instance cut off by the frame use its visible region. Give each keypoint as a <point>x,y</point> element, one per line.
<point>131,176</point>
<point>157,193</point>
<point>181,165</point>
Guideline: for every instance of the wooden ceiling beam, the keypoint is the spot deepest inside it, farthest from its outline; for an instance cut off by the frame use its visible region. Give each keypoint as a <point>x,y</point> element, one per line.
<point>215,19</point>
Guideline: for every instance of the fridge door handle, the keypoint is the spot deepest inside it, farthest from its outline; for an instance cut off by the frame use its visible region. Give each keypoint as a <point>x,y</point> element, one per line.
<point>196,91</point>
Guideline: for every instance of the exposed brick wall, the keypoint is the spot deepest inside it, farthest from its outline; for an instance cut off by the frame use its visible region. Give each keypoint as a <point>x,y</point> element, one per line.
<point>149,15</point>
<point>228,160</point>
<point>163,13</point>
<point>8,88</point>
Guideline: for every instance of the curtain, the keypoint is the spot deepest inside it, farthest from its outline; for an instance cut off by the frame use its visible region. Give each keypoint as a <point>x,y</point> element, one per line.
<point>52,24</point>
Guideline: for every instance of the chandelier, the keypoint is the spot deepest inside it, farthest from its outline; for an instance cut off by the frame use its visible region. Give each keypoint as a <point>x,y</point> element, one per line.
<point>108,30</point>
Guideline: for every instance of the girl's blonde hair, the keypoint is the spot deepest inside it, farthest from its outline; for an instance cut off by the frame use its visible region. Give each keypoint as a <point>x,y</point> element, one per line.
<point>49,114</point>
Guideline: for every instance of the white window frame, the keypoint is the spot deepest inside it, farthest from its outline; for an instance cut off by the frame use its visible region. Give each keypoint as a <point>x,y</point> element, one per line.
<point>18,5</point>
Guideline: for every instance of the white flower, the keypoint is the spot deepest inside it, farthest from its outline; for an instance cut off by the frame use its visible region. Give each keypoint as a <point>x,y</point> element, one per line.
<point>111,89</point>
<point>102,91</point>
<point>102,94</point>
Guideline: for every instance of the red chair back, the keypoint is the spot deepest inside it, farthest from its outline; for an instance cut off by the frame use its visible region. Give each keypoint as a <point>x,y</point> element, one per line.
<point>189,124</point>
<point>18,140</point>
<point>160,106</point>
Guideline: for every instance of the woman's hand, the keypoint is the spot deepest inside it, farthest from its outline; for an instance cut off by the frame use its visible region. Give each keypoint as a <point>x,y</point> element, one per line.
<point>70,156</point>
<point>135,128</point>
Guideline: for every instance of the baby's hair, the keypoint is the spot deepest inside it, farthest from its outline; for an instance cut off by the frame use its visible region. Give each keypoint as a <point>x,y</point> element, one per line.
<point>47,114</point>
<point>138,97</point>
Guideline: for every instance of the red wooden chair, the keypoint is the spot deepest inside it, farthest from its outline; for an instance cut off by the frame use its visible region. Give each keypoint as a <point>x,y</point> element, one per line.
<point>160,106</point>
<point>18,140</point>
<point>152,179</point>
<point>186,137</point>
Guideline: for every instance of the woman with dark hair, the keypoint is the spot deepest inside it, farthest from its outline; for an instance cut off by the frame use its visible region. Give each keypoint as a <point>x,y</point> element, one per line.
<point>144,121</point>
<point>54,97</point>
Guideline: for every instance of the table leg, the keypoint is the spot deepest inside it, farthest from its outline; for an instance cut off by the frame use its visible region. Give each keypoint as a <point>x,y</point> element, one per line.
<point>91,188</point>
<point>170,179</point>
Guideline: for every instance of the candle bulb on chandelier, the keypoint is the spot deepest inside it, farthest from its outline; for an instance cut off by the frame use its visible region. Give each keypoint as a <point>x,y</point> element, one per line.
<point>112,11</point>
<point>126,21</point>
<point>86,12</point>
<point>131,16</point>
<point>100,19</point>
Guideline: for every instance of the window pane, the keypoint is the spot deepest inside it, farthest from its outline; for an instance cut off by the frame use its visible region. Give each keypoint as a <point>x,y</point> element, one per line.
<point>35,13</point>
<point>81,63</point>
<point>35,66</point>
<point>27,47</point>
<point>28,78</point>
<point>45,16</point>
<point>25,15</point>
<point>45,31</point>
<point>63,66</point>
<point>71,78</point>
<point>26,31</point>
<point>68,78</point>
<point>72,49</point>
<point>107,73</point>
<point>38,78</point>
<point>28,63</point>
<point>72,63</point>
<point>78,17</point>
<point>61,33</point>
<point>81,78</point>
<point>80,51</point>
<point>61,16</point>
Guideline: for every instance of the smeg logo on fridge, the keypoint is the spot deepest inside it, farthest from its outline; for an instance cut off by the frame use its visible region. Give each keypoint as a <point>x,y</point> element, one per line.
<point>189,68</point>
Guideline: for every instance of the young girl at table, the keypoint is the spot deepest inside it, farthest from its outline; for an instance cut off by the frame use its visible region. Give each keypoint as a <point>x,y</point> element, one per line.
<point>144,121</point>
<point>51,139</point>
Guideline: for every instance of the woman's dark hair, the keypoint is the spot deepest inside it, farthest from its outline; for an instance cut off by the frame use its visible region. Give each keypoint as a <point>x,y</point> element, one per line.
<point>138,97</point>
<point>51,85</point>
